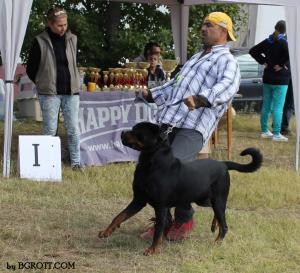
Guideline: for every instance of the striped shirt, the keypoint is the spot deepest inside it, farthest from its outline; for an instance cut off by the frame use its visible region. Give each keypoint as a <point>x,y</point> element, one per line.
<point>215,76</point>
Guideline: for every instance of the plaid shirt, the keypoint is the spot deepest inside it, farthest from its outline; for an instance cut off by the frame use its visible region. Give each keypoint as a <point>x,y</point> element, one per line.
<point>215,76</point>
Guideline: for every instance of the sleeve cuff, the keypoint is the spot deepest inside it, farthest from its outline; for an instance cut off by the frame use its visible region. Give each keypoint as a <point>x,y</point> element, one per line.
<point>207,94</point>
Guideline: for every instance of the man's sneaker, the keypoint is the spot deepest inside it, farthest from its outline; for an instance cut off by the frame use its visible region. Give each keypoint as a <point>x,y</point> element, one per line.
<point>149,233</point>
<point>267,134</point>
<point>77,168</point>
<point>178,231</point>
<point>279,137</point>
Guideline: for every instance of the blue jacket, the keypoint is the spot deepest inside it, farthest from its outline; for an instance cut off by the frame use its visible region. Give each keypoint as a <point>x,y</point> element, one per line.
<point>273,52</point>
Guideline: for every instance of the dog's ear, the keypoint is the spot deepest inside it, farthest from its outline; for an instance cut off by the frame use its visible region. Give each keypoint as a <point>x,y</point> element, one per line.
<point>151,128</point>
<point>154,131</point>
<point>148,134</point>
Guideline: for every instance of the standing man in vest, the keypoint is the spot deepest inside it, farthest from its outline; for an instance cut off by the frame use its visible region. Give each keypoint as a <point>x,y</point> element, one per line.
<point>52,66</point>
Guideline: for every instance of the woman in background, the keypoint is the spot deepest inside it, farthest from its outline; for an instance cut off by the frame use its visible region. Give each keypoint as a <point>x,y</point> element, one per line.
<point>273,54</point>
<point>52,66</point>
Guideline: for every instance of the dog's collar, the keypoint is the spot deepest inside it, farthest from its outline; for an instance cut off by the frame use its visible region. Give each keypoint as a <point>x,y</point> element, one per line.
<point>166,129</point>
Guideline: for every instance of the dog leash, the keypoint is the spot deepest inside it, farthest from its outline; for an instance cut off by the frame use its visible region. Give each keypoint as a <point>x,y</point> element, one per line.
<point>140,98</point>
<point>164,134</point>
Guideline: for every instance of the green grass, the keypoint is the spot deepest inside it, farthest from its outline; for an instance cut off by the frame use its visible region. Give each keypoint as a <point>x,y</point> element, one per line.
<point>60,221</point>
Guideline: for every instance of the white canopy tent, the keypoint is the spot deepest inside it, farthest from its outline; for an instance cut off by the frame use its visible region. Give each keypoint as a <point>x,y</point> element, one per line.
<point>14,19</point>
<point>179,19</point>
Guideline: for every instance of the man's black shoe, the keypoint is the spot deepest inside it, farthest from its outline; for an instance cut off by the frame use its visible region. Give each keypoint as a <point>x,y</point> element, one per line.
<point>286,132</point>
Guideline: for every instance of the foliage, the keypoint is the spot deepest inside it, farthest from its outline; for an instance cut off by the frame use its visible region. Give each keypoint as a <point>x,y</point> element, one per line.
<point>101,44</point>
<point>197,16</point>
<point>36,24</point>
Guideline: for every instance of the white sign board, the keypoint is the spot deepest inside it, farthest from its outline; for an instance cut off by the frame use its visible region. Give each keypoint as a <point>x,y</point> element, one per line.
<point>40,158</point>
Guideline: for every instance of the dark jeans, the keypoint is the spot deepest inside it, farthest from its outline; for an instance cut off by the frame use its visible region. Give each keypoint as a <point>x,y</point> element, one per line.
<point>288,109</point>
<point>186,144</point>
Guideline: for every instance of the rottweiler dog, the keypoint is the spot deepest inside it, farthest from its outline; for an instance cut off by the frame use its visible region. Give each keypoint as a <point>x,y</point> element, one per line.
<point>163,181</point>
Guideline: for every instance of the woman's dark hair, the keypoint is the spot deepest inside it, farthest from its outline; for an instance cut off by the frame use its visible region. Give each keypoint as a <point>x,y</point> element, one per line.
<point>281,27</point>
<point>148,47</point>
<point>55,12</point>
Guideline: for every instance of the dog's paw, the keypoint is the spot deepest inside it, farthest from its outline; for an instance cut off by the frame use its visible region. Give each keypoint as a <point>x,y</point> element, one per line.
<point>218,241</point>
<point>104,233</point>
<point>151,250</point>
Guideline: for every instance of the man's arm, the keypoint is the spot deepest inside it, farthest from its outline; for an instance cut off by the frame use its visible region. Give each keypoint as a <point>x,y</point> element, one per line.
<point>223,91</point>
<point>192,102</point>
<point>160,94</point>
<point>33,60</point>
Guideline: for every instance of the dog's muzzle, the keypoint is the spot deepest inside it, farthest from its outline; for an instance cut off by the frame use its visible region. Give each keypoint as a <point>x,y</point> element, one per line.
<point>124,137</point>
<point>128,139</point>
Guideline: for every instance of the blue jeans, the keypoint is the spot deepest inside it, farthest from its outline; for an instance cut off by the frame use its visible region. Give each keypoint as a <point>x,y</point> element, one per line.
<point>50,106</point>
<point>273,101</point>
<point>186,144</point>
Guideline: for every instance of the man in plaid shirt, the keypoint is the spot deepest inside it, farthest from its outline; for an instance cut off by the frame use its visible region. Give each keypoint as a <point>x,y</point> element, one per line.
<point>193,102</point>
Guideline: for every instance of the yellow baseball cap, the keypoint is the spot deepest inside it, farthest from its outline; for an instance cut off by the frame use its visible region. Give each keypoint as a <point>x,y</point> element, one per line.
<point>223,20</point>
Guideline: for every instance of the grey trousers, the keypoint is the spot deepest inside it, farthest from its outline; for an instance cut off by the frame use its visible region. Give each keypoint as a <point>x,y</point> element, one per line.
<point>186,144</point>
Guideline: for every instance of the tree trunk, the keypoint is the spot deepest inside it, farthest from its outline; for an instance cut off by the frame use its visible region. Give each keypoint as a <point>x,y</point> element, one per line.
<point>113,15</point>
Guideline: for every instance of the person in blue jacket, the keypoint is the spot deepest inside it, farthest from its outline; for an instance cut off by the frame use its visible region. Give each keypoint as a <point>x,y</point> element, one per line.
<point>273,54</point>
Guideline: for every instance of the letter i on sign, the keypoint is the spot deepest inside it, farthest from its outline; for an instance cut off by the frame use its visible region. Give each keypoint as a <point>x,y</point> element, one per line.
<point>36,155</point>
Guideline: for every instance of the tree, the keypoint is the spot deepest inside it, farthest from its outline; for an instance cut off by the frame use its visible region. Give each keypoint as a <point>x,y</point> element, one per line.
<point>109,32</point>
<point>198,14</point>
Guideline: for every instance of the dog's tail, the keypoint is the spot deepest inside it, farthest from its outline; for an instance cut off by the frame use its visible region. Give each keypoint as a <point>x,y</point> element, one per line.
<point>254,165</point>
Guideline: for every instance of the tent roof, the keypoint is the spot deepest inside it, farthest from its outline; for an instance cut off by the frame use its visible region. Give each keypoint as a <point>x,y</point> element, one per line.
<point>290,3</point>
<point>196,2</point>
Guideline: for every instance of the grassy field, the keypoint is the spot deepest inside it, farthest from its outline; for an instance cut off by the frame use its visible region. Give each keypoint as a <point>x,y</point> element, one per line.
<point>59,222</point>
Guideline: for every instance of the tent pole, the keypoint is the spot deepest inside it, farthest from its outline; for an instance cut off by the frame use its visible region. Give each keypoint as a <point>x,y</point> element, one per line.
<point>179,22</point>
<point>9,98</point>
<point>297,154</point>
